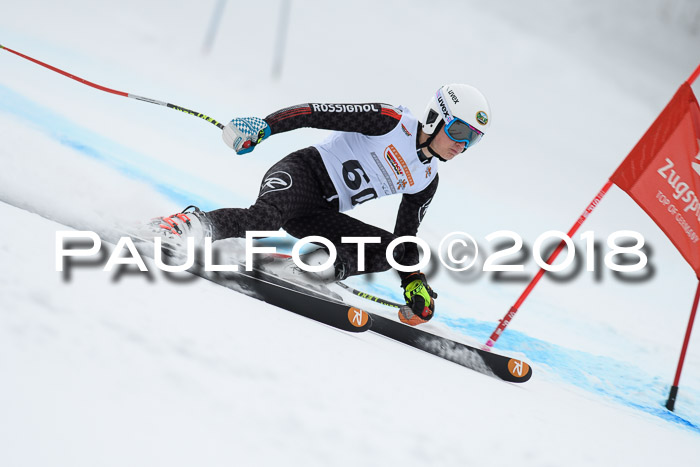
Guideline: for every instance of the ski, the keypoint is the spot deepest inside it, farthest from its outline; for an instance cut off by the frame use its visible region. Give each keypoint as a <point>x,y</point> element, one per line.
<point>332,311</point>
<point>483,361</point>
<point>328,308</point>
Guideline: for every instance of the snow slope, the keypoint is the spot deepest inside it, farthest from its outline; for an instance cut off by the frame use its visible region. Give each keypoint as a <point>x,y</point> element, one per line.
<point>108,371</point>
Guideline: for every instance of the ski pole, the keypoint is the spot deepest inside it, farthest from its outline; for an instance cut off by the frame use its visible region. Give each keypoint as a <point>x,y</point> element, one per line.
<point>114,91</point>
<point>374,298</point>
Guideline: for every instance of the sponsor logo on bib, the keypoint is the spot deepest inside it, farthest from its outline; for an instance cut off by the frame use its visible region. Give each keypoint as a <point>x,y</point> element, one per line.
<point>393,162</point>
<point>393,156</point>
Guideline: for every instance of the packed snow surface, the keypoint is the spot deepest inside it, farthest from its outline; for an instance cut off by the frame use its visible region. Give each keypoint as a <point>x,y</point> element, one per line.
<point>124,368</point>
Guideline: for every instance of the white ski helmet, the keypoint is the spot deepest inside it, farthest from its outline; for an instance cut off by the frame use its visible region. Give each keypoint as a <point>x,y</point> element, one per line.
<point>461,110</point>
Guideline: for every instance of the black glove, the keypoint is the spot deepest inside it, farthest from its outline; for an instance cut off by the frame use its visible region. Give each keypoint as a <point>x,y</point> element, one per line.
<point>420,303</point>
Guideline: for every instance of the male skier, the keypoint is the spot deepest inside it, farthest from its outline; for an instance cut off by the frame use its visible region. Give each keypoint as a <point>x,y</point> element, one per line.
<point>375,150</point>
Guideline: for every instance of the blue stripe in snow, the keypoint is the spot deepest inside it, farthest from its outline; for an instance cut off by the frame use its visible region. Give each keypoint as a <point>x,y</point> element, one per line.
<point>622,382</point>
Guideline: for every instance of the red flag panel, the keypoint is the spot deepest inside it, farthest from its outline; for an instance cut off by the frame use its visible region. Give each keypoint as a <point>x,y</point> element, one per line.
<point>662,174</point>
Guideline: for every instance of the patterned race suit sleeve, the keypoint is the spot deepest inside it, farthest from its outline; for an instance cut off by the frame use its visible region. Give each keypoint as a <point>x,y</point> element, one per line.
<point>368,119</point>
<point>411,212</point>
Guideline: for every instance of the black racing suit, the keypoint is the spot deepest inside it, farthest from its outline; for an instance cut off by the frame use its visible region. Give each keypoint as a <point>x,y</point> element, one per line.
<point>310,205</point>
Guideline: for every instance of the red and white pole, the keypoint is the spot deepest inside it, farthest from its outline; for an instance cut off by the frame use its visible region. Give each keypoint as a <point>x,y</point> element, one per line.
<point>514,309</point>
<point>671,402</point>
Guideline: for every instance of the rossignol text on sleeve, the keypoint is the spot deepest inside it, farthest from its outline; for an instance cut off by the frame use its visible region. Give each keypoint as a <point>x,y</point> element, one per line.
<point>368,119</point>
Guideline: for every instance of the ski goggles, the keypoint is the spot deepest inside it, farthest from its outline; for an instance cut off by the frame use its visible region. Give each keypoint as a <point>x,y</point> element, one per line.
<point>462,132</point>
<point>457,129</point>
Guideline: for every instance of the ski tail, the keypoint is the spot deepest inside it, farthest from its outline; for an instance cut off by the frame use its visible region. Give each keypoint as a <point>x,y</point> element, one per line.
<point>488,363</point>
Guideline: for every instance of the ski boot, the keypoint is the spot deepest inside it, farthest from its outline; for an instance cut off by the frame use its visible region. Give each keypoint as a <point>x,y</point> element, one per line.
<point>176,228</point>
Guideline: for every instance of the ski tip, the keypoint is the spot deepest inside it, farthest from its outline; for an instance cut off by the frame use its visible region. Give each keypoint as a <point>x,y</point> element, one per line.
<point>359,319</point>
<point>518,371</point>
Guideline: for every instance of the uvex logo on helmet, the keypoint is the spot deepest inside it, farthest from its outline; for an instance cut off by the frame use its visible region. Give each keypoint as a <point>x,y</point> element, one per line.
<point>276,181</point>
<point>453,96</point>
<point>443,107</point>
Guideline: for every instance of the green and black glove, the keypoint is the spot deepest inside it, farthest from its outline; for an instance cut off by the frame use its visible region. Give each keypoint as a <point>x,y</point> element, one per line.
<point>420,303</point>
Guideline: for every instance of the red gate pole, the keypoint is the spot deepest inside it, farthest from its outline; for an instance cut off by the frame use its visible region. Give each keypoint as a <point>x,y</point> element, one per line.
<point>694,75</point>
<point>671,402</point>
<point>514,309</point>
